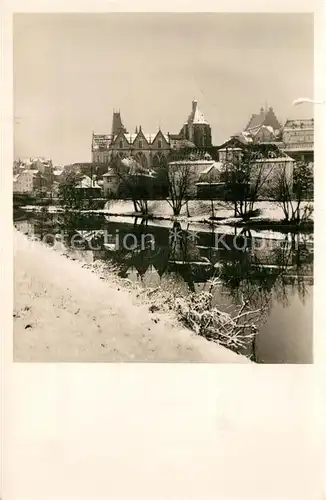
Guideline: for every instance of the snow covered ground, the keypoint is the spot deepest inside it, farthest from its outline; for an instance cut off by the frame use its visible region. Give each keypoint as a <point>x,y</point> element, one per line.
<point>198,209</point>
<point>65,312</point>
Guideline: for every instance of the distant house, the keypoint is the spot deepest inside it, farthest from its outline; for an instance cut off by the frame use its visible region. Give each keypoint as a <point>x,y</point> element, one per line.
<point>89,188</point>
<point>132,178</point>
<point>269,168</point>
<point>230,149</point>
<point>271,159</point>
<point>265,117</point>
<point>29,181</point>
<point>43,165</point>
<point>210,184</point>
<point>196,168</point>
<point>298,139</point>
<point>110,183</point>
<point>262,128</point>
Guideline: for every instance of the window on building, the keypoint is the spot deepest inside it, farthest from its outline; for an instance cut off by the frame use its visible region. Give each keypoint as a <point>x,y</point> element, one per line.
<point>159,143</point>
<point>120,144</point>
<point>140,144</point>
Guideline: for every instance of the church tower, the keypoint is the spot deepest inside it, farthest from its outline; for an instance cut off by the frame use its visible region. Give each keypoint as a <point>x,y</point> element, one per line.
<point>117,125</point>
<point>196,129</point>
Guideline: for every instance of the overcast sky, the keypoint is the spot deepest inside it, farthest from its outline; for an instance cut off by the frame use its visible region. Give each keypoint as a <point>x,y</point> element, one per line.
<point>71,70</point>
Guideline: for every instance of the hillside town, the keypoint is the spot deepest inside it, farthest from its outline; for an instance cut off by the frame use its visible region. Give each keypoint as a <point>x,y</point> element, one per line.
<point>142,156</point>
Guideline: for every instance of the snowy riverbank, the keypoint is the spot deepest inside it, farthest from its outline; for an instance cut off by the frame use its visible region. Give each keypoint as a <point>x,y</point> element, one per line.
<point>64,312</point>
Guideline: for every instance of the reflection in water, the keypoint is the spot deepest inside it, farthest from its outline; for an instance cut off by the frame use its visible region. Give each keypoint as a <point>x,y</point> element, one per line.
<point>266,272</point>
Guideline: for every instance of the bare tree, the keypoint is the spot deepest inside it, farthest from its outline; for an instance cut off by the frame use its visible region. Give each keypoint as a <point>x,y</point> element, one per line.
<point>68,194</point>
<point>246,176</point>
<point>180,181</point>
<point>135,182</point>
<point>289,191</point>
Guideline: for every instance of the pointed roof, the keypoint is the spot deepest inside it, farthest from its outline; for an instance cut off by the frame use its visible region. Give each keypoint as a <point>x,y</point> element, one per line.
<point>160,134</point>
<point>196,116</point>
<point>231,143</point>
<point>217,165</point>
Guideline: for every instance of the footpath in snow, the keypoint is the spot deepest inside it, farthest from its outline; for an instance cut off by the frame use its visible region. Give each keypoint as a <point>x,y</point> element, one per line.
<point>64,312</point>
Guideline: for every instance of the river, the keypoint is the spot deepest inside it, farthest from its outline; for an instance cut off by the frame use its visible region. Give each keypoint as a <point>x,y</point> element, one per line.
<point>269,270</point>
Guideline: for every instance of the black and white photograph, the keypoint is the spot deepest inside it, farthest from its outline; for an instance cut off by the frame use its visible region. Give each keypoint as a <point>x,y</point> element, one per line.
<point>163,187</point>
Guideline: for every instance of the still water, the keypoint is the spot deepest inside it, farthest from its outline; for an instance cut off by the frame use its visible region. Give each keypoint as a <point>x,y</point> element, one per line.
<point>268,270</point>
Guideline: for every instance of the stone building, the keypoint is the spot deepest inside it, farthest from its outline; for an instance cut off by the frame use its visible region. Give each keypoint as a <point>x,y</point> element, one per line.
<point>262,128</point>
<point>29,181</point>
<point>151,150</point>
<point>295,138</point>
<point>266,117</point>
<point>196,129</point>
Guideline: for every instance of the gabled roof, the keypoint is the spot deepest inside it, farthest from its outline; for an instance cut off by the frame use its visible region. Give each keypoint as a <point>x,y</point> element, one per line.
<point>149,138</point>
<point>232,142</point>
<point>119,136</point>
<point>145,137</point>
<point>130,137</point>
<point>165,137</point>
<point>217,165</point>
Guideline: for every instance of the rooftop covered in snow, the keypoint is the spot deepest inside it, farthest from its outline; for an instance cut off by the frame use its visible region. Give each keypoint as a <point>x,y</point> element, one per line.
<point>196,116</point>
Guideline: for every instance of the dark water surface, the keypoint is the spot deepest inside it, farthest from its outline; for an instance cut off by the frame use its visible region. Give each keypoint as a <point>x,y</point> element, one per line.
<point>269,270</point>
